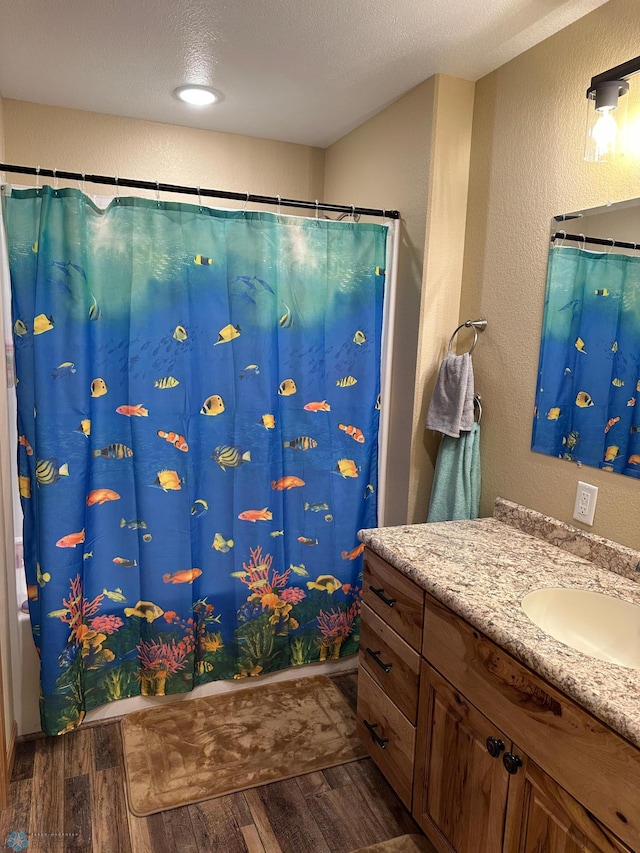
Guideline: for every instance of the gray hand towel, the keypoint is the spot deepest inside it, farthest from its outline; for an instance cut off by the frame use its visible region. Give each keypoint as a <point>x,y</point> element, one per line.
<point>451,407</point>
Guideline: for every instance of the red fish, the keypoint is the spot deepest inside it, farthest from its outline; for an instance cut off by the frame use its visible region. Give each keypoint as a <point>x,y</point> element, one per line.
<point>174,438</point>
<point>101,496</point>
<point>71,540</point>
<point>320,406</point>
<point>354,553</point>
<point>182,576</point>
<point>354,431</point>
<point>256,515</point>
<point>286,483</point>
<point>32,592</point>
<point>22,439</point>
<point>138,410</point>
<point>611,422</point>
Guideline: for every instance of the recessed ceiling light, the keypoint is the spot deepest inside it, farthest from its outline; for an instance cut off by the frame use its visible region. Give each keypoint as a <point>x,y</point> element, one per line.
<point>198,96</point>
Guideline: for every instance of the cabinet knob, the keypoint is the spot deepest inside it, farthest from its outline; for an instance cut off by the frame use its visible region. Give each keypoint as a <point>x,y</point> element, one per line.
<point>494,746</point>
<point>379,591</point>
<point>511,762</point>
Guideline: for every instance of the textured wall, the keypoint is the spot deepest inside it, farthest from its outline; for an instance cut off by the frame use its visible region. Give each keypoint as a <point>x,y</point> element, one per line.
<point>59,138</point>
<point>385,163</point>
<point>526,166</point>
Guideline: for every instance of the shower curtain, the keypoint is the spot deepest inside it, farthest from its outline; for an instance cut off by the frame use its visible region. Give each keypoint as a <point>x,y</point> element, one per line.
<point>198,403</point>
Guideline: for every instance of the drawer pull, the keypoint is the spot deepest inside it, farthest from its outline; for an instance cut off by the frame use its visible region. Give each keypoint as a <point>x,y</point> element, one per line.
<point>511,762</point>
<point>381,741</point>
<point>376,656</point>
<point>494,746</point>
<point>379,591</point>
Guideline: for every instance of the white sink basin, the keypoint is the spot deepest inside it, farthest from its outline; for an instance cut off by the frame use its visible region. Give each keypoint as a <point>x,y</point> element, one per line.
<point>599,625</point>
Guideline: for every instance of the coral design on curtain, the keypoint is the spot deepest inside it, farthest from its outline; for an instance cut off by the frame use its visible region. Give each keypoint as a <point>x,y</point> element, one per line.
<point>589,369</point>
<point>198,405</point>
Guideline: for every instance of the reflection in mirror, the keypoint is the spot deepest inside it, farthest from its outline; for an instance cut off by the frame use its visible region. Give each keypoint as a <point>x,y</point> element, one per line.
<point>589,367</point>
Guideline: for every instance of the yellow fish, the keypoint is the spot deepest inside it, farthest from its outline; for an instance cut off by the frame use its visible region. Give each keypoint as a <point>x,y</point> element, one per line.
<point>617,382</point>
<point>287,387</point>
<point>359,338</point>
<point>114,595</point>
<point>42,577</point>
<point>221,544</point>
<point>579,345</point>
<point>168,481</point>
<point>34,248</point>
<point>145,610</point>
<point>98,387</point>
<point>553,414</point>
<point>166,382</point>
<point>638,385</point>
<point>202,260</point>
<point>275,533</point>
<point>611,453</point>
<point>299,570</point>
<point>85,427</point>
<point>213,405</point>
<point>58,614</point>
<point>603,292</point>
<point>20,328</point>
<point>346,381</point>
<point>325,583</point>
<point>42,323</point>
<point>347,468</point>
<point>614,346</point>
<point>583,400</point>
<point>24,487</point>
<point>180,333</point>
<point>228,334</point>
<point>268,421</point>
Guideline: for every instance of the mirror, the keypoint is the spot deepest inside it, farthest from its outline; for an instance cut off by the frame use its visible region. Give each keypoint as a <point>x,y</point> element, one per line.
<point>588,380</point>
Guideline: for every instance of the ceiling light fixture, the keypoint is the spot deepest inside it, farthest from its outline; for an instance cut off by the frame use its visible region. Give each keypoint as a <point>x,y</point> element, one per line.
<point>607,112</point>
<point>197,96</point>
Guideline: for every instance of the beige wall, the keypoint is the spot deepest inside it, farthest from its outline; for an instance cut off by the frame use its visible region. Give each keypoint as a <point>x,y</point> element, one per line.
<point>1,129</point>
<point>527,165</point>
<point>58,138</point>
<point>385,163</point>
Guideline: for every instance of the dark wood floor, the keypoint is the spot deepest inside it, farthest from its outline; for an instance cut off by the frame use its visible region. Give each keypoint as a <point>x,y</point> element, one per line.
<point>67,794</point>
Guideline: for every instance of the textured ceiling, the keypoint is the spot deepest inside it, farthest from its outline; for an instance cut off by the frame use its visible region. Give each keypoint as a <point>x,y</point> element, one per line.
<point>303,71</point>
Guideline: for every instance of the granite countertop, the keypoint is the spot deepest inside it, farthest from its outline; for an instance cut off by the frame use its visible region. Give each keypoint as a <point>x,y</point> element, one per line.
<point>482,569</point>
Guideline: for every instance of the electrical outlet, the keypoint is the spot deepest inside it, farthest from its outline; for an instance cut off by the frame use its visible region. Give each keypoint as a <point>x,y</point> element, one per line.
<point>585,505</point>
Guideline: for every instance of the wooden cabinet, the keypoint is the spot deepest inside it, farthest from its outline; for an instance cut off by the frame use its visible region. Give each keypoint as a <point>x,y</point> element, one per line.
<point>489,757</point>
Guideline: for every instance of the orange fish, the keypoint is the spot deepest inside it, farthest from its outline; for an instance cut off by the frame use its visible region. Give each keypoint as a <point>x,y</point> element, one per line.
<point>129,411</point>
<point>611,422</point>
<point>354,553</point>
<point>71,540</point>
<point>32,592</point>
<point>286,483</point>
<point>634,459</point>
<point>321,406</point>
<point>354,431</point>
<point>256,515</point>
<point>174,438</point>
<point>22,439</point>
<point>182,576</point>
<point>101,496</point>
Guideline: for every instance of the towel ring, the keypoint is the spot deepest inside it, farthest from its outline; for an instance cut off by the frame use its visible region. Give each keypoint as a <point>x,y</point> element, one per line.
<point>477,402</point>
<point>476,325</point>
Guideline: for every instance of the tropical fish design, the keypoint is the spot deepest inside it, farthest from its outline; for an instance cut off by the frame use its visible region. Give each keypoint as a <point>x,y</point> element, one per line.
<point>611,423</point>
<point>101,496</point>
<point>202,260</point>
<point>304,540</point>
<point>124,562</point>
<point>299,570</point>
<point>22,441</point>
<point>571,440</point>
<point>71,540</point>
<point>42,324</point>
<point>24,486</point>
<point>354,431</point>
<point>553,414</point>
<point>178,441</point>
<point>256,515</point>
<point>377,406</point>
<point>328,517</point>
<point>228,333</point>
<point>166,382</point>
<point>275,533</point>
<point>137,411</point>
<point>227,456</point>
<point>114,451</point>
<point>631,402</point>
<point>147,537</point>
<point>20,328</point>
<point>303,442</point>
<point>64,369</point>
<point>221,544</point>
<point>347,468</point>
<point>319,406</point>
<point>346,382</point>
<point>145,610</point>
<point>286,320</point>
<point>359,338</point>
<point>634,459</point>
<point>180,334</point>
<point>354,553</point>
<point>583,400</point>
<point>182,576</point>
<point>98,387</point>
<point>617,382</point>
<point>133,524</point>
<point>602,292</point>
<point>249,370</point>
<point>200,506</point>
<point>168,481</point>
<point>48,471</point>
<point>369,490</point>
<point>213,405</point>
<point>84,427</point>
<point>320,506</point>
<point>114,595</point>
<point>611,453</point>
<point>326,583</point>
<point>288,482</point>
<point>42,577</point>
<point>94,310</point>
<point>268,421</point>
<point>287,387</point>
<point>579,345</point>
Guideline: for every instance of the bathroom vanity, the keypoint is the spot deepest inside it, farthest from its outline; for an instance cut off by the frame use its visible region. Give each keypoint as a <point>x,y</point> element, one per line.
<point>496,736</point>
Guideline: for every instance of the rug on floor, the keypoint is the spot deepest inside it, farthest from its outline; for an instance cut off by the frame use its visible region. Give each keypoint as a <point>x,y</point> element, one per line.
<point>402,844</point>
<point>197,749</point>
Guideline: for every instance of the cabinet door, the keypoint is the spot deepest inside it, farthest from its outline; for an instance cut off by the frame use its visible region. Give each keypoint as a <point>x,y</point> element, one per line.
<point>542,816</point>
<point>460,790</point>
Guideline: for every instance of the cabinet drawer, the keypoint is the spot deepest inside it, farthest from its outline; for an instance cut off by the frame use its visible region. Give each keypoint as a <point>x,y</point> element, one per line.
<point>392,664</point>
<point>396,599</point>
<point>394,756</point>
<point>595,765</point>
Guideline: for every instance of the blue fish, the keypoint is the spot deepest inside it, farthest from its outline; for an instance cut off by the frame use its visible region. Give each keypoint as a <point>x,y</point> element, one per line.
<point>246,280</point>
<point>572,305</point>
<point>246,298</point>
<point>78,269</point>
<point>264,284</point>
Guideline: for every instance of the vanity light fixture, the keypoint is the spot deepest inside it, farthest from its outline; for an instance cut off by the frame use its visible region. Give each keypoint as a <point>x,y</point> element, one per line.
<point>197,96</point>
<point>607,112</point>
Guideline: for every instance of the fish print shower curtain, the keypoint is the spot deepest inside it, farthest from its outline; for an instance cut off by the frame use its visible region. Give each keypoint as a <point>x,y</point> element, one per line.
<point>589,369</point>
<point>198,405</point>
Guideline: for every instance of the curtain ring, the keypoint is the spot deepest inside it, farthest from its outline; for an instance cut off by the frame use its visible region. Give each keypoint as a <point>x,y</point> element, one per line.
<point>384,216</point>
<point>55,181</point>
<point>117,190</point>
<point>564,236</point>
<point>81,184</point>
<point>584,242</point>
<point>37,178</point>
<point>353,212</point>
<point>278,208</point>
<point>316,209</point>
<point>246,202</point>
<point>158,193</point>
<point>612,246</point>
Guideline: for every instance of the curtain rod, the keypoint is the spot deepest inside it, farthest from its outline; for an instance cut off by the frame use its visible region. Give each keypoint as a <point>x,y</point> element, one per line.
<point>198,191</point>
<point>600,241</point>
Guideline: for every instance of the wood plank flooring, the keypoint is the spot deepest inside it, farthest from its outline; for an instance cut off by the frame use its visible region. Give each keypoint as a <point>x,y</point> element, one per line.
<point>67,795</point>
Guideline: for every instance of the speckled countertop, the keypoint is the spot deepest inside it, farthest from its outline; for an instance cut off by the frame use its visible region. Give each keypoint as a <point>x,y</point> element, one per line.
<point>482,569</point>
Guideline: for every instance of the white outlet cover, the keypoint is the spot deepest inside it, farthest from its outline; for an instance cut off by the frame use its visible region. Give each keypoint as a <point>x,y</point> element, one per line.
<point>585,504</point>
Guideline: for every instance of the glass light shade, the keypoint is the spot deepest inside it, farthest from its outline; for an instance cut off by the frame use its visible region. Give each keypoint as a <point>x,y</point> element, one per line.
<point>197,96</point>
<point>606,122</point>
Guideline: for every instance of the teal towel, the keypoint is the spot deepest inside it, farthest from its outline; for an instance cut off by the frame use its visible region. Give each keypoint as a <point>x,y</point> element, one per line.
<point>455,494</point>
